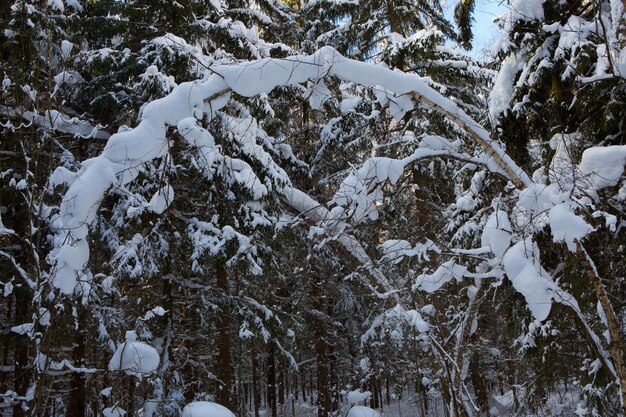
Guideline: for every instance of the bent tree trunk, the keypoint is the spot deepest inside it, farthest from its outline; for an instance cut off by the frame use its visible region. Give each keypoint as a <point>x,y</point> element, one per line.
<point>612,323</point>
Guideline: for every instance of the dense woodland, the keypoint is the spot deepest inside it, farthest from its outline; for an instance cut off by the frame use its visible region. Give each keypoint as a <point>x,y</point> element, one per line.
<point>290,207</point>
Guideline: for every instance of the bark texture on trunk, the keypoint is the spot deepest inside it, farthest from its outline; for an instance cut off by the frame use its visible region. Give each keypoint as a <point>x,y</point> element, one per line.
<point>224,345</point>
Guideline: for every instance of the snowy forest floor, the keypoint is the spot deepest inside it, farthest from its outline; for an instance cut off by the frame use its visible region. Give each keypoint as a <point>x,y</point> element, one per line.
<point>564,405</point>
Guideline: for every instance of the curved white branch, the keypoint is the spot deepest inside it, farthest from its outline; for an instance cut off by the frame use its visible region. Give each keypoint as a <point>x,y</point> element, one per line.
<point>126,151</point>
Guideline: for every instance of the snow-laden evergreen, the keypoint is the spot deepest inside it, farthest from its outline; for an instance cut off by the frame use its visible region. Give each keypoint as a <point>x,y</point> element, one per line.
<point>225,207</point>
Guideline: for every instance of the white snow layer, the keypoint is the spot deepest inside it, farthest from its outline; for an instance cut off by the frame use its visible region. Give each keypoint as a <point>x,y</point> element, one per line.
<point>526,10</point>
<point>134,358</point>
<point>362,411</point>
<point>161,199</point>
<point>113,412</point>
<point>442,275</point>
<point>357,396</point>
<point>503,87</point>
<point>497,233</point>
<point>206,409</point>
<point>521,264</point>
<point>566,226</point>
<point>603,166</point>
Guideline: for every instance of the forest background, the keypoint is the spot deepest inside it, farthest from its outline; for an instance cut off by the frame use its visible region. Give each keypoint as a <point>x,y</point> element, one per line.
<point>289,207</point>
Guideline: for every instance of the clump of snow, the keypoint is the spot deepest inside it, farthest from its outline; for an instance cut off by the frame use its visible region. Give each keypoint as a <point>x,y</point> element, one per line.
<point>152,76</point>
<point>62,176</point>
<point>438,143</point>
<point>66,48</point>
<point>360,193</point>
<point>534,204</point>
<point>603,166</point>
<point>395,318</point>
<point>444,274</point>
<point>465,203</point>
<point>134,358</point>
<point>429,310</point>
<point>156,311</point>
<point>526,10</point>
<point>521,264</point>
<point>357,396</point>
<point>161,199</point>
<point>566,226</point>
<point>74,4</point>
<point>397,250</point>
<point>206,409</point>
<point>503,87</point>
<point>362,411</point>
<point>318,94</point>
<point>349,104</point>
<point>497,233</point>
<point>22,329</point>
<point>400,105</point>
<point>113,412</point>
<point>56,5</point>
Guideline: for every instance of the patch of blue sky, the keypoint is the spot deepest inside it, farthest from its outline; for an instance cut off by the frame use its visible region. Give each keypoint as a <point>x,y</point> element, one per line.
<point>486,31</point>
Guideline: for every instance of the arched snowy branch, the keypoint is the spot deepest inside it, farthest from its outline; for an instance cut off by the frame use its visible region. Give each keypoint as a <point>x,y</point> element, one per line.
<point>126,151</point>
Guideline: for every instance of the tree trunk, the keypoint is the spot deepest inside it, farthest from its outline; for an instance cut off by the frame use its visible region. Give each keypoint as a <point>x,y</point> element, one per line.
<point>256,393</point>
<point>319,333</point>
<point>22,371</point>
<point>387,393</point>
<point>271,381</point>
<point>480,388</point>
<point>303,385</point>
<point>76,406</point>
<point>130,403</point>
<point>323,397</point>
<point>281,388</point>
<point>224,370</point>
<point>613,325</point>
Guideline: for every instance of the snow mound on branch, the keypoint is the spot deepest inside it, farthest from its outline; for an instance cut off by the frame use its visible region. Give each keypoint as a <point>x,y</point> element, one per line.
<point>56,5</point>
<point>113,412</point>
<point>396,250</point>
<point>534,203</point>
<point>206,409</point>
<point>396,318</point>
<point>497,233</point>
<point>438,143</point>
<point>526,10</point>
<point>317,94</point>
<point>362,411</point>
<point>504,87</point>
<point>361,191</point>
<point>603,166</point>
<point>521,264</point>
<point>133,357</point>
<point>444,274</point>
<point>66,48</point>
<point>566,226</point>
<point>355,397</point>
<point>161,199</point>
